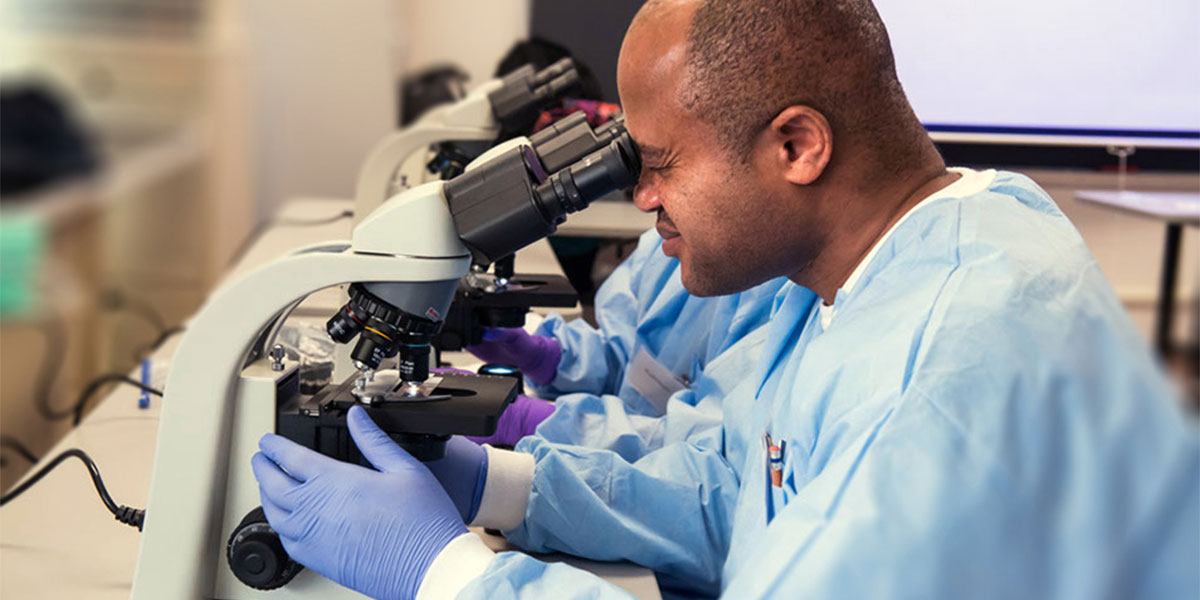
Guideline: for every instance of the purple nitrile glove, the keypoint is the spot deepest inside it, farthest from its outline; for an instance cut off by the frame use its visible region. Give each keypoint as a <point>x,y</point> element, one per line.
<point>536,356</point>
<point>518,420</point>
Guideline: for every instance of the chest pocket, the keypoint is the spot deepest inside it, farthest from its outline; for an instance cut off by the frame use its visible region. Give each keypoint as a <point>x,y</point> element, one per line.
<point>793,466</point>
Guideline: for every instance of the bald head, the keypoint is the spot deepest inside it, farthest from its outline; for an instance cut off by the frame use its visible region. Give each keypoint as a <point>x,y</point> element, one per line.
<point>747,60</point>
<point>775,137</point>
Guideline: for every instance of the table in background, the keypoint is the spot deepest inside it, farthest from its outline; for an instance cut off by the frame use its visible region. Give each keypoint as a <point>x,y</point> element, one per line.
<point>1176,209</point>
<point>607,219</point>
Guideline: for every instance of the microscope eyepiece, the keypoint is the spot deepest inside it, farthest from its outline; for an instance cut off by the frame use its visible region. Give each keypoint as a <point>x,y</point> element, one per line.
<point>612,129</point>
<point>559,67</point>
<point>565,142</point>
<point>611,168</point>
<point>507,204</point>
<point>524,92</point>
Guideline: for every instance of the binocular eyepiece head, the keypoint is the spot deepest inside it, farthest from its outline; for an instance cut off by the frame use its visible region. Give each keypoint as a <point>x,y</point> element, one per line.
<point>510,203</point>
<point>611,168</point>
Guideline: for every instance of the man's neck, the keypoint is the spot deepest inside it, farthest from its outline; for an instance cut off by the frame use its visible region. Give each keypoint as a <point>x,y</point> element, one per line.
<point>859,230</point>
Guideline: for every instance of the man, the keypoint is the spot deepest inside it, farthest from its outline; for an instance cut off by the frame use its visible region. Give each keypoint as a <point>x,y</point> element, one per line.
<point>968,412</point>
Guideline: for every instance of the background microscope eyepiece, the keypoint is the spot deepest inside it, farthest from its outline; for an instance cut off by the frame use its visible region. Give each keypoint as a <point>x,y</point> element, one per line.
<point>557,68</point>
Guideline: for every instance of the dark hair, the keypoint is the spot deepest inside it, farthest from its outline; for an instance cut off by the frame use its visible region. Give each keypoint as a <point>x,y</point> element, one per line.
<point>750,59</point>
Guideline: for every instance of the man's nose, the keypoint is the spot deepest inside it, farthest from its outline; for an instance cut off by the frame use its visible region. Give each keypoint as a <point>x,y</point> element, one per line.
<point>645,197</point>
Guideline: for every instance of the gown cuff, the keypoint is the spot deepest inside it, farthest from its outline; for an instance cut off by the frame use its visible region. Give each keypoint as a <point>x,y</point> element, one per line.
<point>464,559</point>
<point>506,490</point>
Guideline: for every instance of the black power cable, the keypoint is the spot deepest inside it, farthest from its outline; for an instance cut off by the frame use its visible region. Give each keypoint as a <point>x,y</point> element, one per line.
<point>16,446</point>
<point>53,330</point>
<point>158,342</point>
<point>115,300</point>
<point>100,382</point>
<point>134,517</point>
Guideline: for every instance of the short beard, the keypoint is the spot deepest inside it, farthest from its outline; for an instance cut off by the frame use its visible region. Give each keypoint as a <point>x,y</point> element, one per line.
<point>721,278</point>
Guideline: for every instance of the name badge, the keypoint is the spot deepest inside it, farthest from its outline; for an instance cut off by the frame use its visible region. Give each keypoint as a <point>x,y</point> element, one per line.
<point>652,380</point>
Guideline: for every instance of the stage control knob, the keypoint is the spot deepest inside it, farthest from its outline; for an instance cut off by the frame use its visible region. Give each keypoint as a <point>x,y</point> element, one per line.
<point>256,556</point>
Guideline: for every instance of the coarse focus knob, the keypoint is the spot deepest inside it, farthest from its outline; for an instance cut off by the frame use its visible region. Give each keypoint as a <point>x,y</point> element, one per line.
<point>256,556</point>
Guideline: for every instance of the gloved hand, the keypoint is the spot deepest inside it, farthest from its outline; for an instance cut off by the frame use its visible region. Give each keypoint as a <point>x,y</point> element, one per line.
<point>535,355</point>
<point>462,473</point>
<point>376,532</point>
<point>520,419</point>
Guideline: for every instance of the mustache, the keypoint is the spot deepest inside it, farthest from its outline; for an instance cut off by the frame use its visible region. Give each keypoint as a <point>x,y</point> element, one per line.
<point>663,219</point>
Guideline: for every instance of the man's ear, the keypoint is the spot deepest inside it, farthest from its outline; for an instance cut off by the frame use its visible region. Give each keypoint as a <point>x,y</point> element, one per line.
<point>800,142</point>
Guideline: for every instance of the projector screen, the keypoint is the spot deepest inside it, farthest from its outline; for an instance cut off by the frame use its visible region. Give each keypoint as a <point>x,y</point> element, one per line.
<point>1080,72</point>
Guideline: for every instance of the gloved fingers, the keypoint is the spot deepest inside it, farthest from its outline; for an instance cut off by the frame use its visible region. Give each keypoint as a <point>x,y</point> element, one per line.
<point>375,445</point>
<point>272,481</point>
<point>296,549</point>
<point>299,462</point>
<point>279,518</point>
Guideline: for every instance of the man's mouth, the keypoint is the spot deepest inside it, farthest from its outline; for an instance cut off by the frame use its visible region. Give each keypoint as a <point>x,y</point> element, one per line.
<point>670,235</point>
<point>666,229</point>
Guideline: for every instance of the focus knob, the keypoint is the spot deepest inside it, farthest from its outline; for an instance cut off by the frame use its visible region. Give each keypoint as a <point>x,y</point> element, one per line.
<point>256,556</point>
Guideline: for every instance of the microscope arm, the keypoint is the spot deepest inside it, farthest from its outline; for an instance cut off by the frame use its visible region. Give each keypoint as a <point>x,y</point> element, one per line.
<point>187,489</point>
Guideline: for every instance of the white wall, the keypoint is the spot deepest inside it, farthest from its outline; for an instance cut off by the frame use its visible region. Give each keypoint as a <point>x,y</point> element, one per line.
<point>469,33</point>
<point>325,76</point>
<point>326,73</point>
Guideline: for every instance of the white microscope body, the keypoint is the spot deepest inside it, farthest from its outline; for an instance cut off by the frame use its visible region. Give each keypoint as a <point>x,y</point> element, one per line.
<point>215,410</point>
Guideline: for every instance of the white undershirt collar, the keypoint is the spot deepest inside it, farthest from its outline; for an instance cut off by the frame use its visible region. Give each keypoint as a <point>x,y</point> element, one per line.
<point>971,182</point>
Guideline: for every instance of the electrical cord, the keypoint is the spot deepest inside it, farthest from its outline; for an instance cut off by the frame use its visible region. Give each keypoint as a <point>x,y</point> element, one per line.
<point>133,517</point>
<point>146,350</point>
<point>53,330</point>
<point>16,446</point>
<point>115,300</point>
<point>100,382</point>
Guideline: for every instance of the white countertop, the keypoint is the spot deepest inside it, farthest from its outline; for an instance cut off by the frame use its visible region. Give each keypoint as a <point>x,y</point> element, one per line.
<point>58,541</point>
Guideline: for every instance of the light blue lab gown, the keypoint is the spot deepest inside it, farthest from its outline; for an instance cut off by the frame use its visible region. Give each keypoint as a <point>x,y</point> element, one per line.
<point>980,419</point>
<point>643,306</point>
<point>712,343</point>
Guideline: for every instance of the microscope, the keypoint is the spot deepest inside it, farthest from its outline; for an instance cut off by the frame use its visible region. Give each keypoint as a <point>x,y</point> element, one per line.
<point>502,298</point>
<point>204,535</point>
<point>458,132</point>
